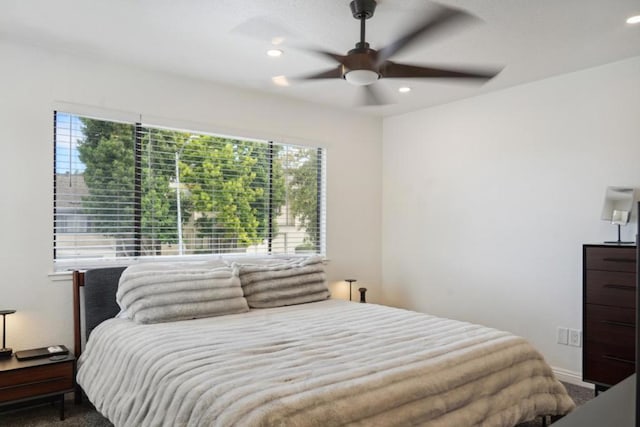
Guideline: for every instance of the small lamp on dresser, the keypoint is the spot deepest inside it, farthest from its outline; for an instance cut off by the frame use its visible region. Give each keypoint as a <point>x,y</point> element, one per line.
<point>4,351</point>
<point>350,281</point>
<point>618,202</point>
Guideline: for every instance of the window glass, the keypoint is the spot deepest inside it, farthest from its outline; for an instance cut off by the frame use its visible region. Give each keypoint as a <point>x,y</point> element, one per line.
<point>124,190</point>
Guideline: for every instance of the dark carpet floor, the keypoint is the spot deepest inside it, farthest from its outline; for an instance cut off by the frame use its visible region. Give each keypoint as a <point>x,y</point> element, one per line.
<point>85,415</point>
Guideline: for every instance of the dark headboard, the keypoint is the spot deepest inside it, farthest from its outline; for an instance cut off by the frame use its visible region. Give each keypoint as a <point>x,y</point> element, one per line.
<point>99,299</point>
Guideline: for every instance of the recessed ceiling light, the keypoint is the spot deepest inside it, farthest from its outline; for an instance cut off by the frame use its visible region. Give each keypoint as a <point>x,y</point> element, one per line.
<point>633,19</point>
<point>404,89</point>
<point>277,40</point>
<point>274,53</point>
<point>280,81</point>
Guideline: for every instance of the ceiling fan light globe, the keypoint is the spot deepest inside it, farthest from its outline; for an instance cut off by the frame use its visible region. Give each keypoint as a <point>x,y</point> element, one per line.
<point>634,19</point>
<point>361,77</point>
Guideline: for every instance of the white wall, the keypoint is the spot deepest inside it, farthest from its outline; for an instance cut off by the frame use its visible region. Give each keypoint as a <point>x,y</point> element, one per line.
<point>33,82</point>
<point>487,201</point>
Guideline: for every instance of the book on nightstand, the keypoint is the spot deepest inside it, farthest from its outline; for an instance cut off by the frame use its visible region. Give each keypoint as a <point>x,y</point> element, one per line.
<point>36,353</point>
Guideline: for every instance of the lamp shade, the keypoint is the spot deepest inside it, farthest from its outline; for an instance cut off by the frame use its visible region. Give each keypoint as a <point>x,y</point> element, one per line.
<point>618,203</point>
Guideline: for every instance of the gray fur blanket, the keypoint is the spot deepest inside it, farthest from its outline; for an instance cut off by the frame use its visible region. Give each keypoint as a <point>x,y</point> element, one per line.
<point>326,363</point>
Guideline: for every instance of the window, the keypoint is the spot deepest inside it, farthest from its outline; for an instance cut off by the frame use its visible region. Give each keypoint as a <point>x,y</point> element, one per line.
<point>125,190</point>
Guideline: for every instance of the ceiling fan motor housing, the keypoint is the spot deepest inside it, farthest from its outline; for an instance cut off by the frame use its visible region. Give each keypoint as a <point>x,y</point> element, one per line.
<point>359,67</point>
<point>363,8</point>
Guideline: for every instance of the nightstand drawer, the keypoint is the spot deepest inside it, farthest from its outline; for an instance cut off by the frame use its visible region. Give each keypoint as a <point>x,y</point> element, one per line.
<point>616,289</point>
<point>611,259</point>
<point>38,380</point>
<point>40,388</point>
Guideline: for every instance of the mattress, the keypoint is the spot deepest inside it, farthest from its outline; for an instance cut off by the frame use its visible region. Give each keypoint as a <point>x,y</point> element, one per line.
<point>327,363</point>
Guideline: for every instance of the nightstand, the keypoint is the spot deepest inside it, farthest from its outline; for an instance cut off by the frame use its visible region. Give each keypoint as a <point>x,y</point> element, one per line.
<point>36,379</point>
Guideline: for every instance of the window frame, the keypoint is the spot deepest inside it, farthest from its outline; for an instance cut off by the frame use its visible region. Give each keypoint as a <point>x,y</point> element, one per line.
<point>138,256</point>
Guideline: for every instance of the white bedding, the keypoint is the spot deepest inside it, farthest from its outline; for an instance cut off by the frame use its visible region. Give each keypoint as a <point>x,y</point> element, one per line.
<point>320,364</point>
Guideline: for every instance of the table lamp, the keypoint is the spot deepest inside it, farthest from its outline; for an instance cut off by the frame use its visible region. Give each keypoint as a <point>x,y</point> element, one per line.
<point>350,283</point>
<point>4,351</point>
<point>618,203</point>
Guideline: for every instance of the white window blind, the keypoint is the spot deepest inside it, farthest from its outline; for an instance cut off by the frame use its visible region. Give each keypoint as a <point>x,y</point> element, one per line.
<point>125,190</point>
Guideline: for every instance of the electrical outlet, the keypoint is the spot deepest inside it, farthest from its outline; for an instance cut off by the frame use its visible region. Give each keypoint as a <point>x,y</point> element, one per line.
<point>563,336</point>
<point>575,337</point>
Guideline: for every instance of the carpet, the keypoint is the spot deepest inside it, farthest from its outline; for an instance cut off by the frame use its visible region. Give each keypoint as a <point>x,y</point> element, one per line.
<point>85,415</point>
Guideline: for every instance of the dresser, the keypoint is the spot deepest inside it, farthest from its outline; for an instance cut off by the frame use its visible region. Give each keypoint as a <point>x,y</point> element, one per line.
<point>608,310</point>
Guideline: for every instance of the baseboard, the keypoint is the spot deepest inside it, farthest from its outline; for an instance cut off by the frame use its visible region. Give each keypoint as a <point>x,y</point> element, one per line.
<point>571,377</point>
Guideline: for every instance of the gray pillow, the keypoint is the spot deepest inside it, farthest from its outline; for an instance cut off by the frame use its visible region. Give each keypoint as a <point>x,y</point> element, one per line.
<point>287,283</point>
<point>152,293</point>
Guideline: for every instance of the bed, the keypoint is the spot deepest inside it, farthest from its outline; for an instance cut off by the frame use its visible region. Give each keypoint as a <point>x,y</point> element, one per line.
<point>324,362</point>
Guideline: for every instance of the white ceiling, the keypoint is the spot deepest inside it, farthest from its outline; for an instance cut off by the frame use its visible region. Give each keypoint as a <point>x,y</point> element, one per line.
<point>225,40</point>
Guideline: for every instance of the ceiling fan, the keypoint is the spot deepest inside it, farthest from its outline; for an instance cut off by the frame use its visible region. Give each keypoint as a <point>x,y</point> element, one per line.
<point>363,66</point>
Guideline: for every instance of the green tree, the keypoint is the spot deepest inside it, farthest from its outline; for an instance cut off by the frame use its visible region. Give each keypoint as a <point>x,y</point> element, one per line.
<point>224,186</point>
<point>303,193</point>
<point>107,152</point>
<point>229,190</point>
<point>158,200</point>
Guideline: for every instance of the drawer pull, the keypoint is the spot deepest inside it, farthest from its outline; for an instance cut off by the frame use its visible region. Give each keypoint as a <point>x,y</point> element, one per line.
<point>616,323</point>
<point>618,359</point>
<point>629,260</point>
<point>621,287</point>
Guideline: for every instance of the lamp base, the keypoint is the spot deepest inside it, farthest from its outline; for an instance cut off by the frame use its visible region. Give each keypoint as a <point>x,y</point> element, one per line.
<point>5,352</point>
<point>619,241</point>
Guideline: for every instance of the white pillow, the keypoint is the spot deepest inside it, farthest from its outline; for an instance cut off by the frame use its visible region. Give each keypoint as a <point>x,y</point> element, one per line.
<point>156,292</point>
<point>293,282</point>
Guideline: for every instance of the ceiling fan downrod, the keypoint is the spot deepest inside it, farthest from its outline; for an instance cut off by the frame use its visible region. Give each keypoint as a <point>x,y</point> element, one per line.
<point>362,10</point>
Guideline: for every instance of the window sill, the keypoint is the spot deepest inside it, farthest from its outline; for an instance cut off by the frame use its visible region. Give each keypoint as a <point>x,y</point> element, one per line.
<point>67,275</point>
<point>60,276</point>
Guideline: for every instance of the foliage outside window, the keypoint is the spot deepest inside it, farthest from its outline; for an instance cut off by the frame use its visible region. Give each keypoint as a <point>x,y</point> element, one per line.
<point>128,190</point>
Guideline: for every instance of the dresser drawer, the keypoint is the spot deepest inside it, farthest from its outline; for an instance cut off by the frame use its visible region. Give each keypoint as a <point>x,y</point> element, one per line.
<point>609,347</point>
<point>605,369</point>
<point>34,381</point>
<point>610,326</point>
<point>610,259</point>
<point>610,288</point>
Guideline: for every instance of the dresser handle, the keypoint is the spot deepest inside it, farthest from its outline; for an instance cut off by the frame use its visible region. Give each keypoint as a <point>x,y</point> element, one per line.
<point>618,359</point>
<point>622,287</point>
<point>619,260</point>
<point>616,323</point>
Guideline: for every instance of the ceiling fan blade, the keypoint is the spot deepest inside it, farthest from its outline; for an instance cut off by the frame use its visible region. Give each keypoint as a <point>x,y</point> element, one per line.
<point>327,74</point>
<point>445,18</point>
<point>392,69</point>
<point>372,95</point>
<point>340,59</point>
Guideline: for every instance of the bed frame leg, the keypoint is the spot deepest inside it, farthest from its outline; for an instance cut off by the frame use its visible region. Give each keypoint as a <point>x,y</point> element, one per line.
<point>551,419</point>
